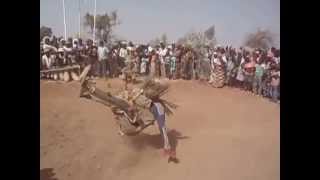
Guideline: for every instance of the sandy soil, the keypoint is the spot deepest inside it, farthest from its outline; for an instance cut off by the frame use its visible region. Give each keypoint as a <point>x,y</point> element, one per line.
<point>221,134</point>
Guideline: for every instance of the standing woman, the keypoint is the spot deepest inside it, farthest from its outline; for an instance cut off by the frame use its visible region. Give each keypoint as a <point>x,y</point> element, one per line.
<point>136,62</point>
<point>240,75</point>
<point>114,70</point>
<point>178,54</point>
<point>153,64</point>
<point>230,68</point>
<point>173,61</point>
<point>218,71</point>
<point>249,71</point>
<point>144,62</point>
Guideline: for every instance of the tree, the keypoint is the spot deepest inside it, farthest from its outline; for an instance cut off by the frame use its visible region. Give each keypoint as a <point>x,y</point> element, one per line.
<point>45,31</point>
<point>104,25</point>
<point>154,42</point>
<point>197,40</point>
<point>164,39</point>
<point>263,39</point>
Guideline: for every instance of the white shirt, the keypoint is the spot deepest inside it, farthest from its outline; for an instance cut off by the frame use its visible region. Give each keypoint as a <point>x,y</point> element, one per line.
<point>46,46</point>
<point>224,58</point>
<point>46,61</point>
<point>171,53</point>
<point>242,61</point>
<point>277,60</point>
<point>102,53</point>
<point>216,61</point>
<point>162,53</point>
<point>123,53</point>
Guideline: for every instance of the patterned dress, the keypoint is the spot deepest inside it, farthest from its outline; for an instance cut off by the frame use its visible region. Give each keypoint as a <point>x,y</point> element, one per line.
<point>218,77</point>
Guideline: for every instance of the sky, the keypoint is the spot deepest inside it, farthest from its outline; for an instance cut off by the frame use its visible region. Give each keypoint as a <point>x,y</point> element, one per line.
<point>143,20</point>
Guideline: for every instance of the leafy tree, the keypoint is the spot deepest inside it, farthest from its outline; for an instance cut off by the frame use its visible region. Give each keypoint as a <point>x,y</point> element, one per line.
<point>198,40</point>
<point>45,31</point>
<point>164,39</point>
<point>263,39</point>
<point>104,24</point>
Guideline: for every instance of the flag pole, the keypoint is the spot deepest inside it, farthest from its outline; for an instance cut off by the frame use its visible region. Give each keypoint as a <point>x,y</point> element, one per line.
<point>94,20</point>
<point>79,20</point>
<point>64,20</point>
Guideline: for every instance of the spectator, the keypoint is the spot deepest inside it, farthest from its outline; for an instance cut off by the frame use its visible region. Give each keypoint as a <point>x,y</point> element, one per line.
<point>259,71</point>
<point>275,82</point>
<point>249,70</point>
<point>104,66</point>
<point>162,55</point>
<point>46,59</point>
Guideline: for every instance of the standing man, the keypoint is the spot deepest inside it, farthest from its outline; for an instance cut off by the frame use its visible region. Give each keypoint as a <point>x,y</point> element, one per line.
<point>46,59</point>
<point>91,52</point>
<point>153,64</point>
<point>123,55</point>
<point>103,59</point>
<point>162,54</point>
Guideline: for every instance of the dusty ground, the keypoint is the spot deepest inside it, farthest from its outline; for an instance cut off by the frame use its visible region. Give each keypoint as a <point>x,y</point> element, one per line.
<point>220,134</point>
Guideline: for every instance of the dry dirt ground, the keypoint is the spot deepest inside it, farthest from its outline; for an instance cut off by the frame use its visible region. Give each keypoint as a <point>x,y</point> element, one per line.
<point>220,134</point>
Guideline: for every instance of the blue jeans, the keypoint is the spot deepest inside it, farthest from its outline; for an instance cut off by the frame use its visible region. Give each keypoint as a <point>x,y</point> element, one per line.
<point>257,85</point>
<point>274,93</point>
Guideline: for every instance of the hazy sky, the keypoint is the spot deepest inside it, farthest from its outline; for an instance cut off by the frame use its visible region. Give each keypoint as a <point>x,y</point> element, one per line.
<point>143,20</point>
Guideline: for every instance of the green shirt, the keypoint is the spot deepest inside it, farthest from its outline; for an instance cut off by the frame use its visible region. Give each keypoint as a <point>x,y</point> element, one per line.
<point>259,70</point>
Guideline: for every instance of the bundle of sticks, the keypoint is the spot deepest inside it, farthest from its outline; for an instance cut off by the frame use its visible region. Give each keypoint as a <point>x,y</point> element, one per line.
<point>155,90</point>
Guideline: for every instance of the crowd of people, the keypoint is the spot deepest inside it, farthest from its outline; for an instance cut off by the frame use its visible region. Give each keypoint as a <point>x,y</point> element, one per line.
<point>256,70</point>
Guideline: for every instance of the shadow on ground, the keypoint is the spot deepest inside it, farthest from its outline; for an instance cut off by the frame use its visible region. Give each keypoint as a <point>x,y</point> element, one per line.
<point>47,174</point>
<point>155,141</point>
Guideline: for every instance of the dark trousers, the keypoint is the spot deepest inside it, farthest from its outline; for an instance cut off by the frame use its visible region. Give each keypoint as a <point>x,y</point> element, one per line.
<point>104,68</point>
<point>96,68</point>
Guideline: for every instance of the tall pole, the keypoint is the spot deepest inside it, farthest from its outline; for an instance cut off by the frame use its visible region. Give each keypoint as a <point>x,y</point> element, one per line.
<point>64,20</point>
<point>94,20</point>
<point>79,20</point>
